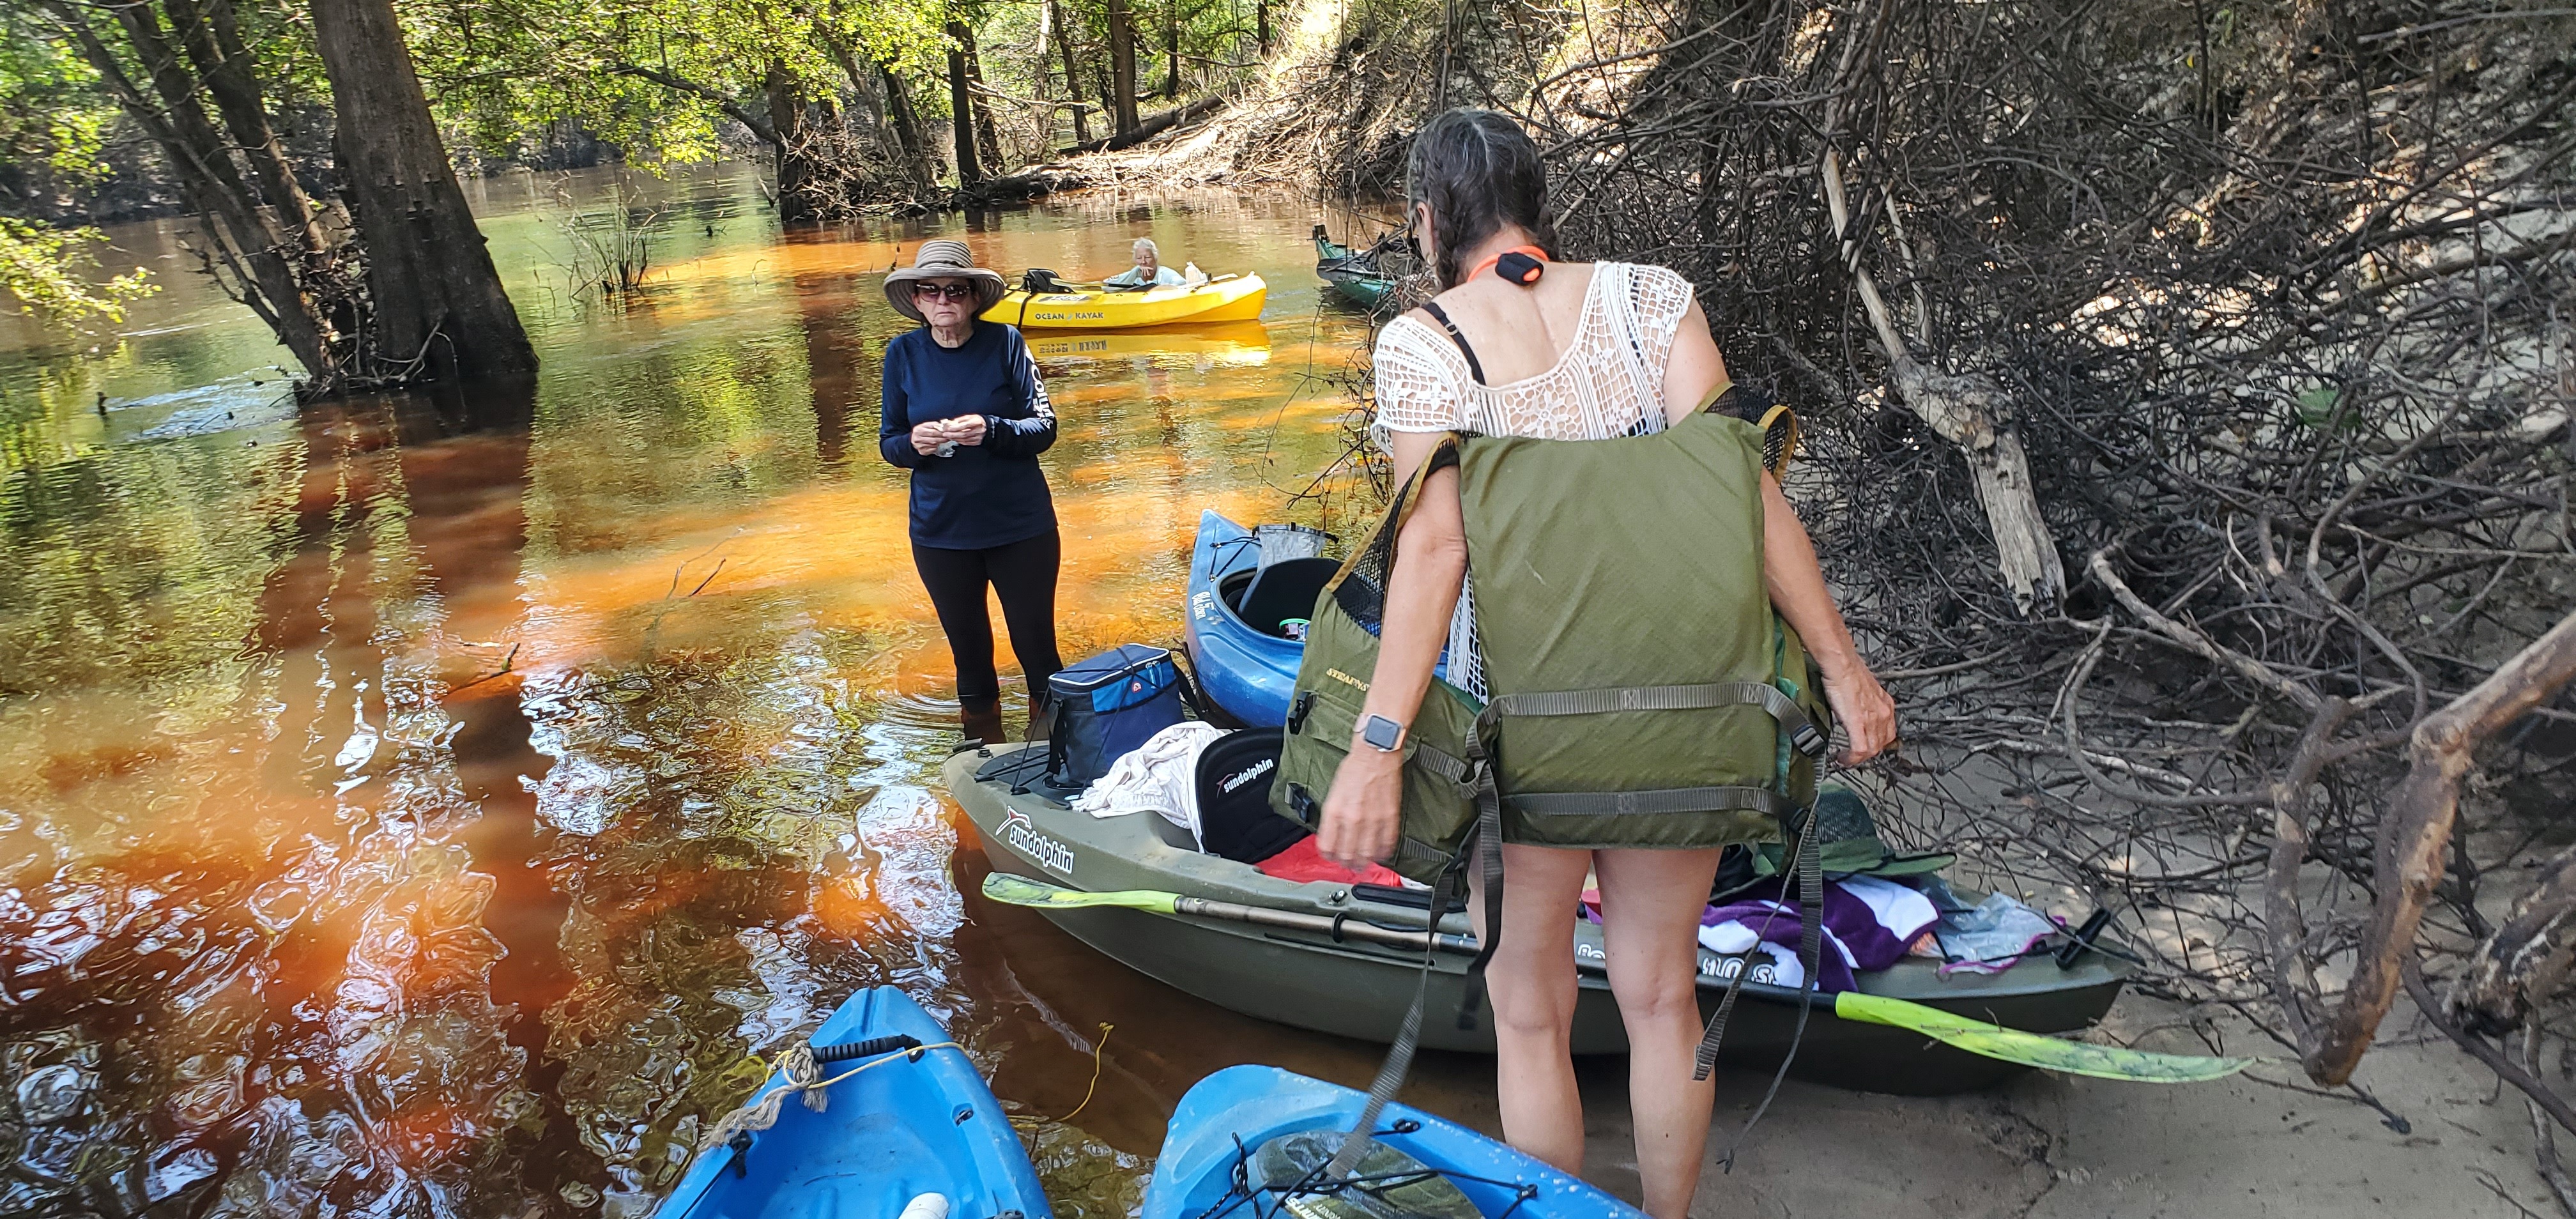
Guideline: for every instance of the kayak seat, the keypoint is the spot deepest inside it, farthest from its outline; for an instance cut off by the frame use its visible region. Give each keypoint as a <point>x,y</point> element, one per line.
<point>1274,594</point>
<point>1233,779</point>
<point>1173,835</point>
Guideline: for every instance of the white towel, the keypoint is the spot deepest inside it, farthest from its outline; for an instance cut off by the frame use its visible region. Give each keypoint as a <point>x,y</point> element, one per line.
<point>1159,776</point>
<point>1904,912</point>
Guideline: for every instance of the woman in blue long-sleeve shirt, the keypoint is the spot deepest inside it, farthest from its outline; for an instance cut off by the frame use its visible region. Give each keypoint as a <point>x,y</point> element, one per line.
<point>964,410</point>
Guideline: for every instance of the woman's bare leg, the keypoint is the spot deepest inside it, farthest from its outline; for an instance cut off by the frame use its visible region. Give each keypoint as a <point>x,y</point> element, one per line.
<point>1651,903</point>
<point>1531,983</point>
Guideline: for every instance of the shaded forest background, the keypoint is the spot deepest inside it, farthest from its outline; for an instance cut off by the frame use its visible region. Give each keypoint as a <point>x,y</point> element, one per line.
<point>2186,384</point>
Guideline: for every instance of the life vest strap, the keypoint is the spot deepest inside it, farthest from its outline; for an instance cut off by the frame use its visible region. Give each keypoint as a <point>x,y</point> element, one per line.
<point>1441,763</point>
<point>1793,721</point>
<point>1661,800</point>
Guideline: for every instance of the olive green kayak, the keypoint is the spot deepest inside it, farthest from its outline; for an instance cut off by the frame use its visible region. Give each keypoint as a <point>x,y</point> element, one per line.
<point>1355,989</point>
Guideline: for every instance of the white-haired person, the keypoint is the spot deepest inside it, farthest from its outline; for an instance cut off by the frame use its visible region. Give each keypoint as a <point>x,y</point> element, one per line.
<point>1149,271</point>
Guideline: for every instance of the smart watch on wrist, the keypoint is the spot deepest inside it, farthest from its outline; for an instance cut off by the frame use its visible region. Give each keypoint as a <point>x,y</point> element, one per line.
<point>1382,734</point>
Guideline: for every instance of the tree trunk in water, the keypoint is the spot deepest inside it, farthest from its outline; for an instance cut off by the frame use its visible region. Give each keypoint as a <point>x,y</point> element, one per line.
<point>438,300</point>
<point>797,172</point>
<point>1072,82</point>
<point>988,140</point>
<point>907,127</point>
<point>872,100</point>
<point>241,236</point>
<point>1172,50</point>
<point>1122,65</point>
<point>228,77</point>
<point>961,110</point>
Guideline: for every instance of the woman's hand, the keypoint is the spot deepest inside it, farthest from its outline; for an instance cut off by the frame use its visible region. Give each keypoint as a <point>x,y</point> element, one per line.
<point>966,429</point>
<point>927,437</point>
<point>1862,708</point>
<point>1363,808</point>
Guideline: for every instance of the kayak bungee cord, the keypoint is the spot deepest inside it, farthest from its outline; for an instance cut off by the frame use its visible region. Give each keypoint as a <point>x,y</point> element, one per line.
<point>1318,1182</point>
<point>796,1062</point>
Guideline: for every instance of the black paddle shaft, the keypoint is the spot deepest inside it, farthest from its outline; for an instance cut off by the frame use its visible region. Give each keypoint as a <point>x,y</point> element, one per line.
<point>869,1048</point>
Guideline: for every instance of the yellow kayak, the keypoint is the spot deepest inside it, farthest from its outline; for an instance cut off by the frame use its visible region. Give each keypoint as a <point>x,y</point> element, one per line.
<point>1226,299</point>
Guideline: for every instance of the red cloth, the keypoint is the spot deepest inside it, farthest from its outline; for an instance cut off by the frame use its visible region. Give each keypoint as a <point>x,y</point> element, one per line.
<point>1304,862</point>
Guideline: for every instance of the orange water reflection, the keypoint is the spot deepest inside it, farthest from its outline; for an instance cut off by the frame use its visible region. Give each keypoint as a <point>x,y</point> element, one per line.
<point>425,806</point>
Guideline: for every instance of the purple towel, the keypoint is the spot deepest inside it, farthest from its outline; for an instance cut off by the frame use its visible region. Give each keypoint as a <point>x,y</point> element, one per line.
<point>1856,939</point>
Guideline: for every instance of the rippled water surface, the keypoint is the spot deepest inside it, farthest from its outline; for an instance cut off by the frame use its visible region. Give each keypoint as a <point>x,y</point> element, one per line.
<point>419,807</point>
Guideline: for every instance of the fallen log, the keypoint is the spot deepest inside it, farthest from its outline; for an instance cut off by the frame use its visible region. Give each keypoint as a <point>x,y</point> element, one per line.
<point>2513,971</point>
<point>1149,128</point>
<point>1972,411</point>
<point>1030,183</point>
<point>2415,837</point>
<point>2285,929</point>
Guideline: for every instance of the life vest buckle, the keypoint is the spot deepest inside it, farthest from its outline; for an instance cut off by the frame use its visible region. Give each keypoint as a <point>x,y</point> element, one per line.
<point>1809,741</point>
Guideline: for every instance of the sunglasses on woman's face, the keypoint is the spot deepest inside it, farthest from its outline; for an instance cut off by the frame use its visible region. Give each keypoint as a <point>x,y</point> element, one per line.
<point>954,292</point>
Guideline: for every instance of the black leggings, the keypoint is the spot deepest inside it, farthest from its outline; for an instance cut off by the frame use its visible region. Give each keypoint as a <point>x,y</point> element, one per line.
<point>1023,575</point>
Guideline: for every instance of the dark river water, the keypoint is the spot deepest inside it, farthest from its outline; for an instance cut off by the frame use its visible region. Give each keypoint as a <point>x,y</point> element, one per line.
<point>420,807</point>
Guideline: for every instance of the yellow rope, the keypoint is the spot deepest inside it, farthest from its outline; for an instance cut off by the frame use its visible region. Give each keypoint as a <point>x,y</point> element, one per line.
<point>1097,1049</point>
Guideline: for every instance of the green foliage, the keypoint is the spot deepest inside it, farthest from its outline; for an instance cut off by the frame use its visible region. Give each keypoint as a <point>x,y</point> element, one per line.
<point>49,272</point>
<point>1218,40</point>
<point>53,112</point>
<point>2318,408</point>
<point>503,71</point>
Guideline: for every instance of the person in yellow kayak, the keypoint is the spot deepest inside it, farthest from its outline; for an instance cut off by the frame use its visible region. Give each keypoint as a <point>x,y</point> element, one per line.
<point>1149,271</point>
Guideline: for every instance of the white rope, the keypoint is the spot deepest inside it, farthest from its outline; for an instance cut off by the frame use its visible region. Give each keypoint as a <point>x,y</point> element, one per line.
<point>797,1065</point>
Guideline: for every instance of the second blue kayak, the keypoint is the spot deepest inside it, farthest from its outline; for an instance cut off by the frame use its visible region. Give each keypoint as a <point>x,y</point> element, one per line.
<point>1227,1119</point>
<point>1242,616</point>
<point>913,1123</point>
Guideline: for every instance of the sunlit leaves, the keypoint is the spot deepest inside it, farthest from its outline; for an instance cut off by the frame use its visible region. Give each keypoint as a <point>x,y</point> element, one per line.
<point>47,272</point>
<point>506,70</point>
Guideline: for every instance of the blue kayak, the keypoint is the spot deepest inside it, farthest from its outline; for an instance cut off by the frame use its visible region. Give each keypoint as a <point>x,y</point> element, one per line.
<point>913,1122</point>
<point>1224,1126</point>
<point>1251,591</point>
<point>1243,611</point>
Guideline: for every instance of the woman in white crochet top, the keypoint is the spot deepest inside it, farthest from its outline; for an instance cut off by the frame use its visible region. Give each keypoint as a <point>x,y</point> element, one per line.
<point>1520,346</point>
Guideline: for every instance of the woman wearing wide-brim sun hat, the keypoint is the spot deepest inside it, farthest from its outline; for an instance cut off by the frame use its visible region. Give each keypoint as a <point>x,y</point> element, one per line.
<point>964,410</point>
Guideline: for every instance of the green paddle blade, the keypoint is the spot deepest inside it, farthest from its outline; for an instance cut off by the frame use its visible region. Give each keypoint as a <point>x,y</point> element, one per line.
<point>1021,891</point>
<point>2033,1050</point>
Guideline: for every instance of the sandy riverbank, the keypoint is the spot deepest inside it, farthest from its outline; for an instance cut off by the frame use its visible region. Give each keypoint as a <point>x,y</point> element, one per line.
<point>2059,1148</point>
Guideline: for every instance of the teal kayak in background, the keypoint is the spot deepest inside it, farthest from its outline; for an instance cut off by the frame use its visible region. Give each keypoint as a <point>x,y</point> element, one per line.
<point>915,1120</point>
<point>1354,274</point>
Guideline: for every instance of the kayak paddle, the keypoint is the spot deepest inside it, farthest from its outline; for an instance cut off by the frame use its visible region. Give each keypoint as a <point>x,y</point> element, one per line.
<point>2032,1049</point>
<point>1958,1032</point>
<point>1015,890</point>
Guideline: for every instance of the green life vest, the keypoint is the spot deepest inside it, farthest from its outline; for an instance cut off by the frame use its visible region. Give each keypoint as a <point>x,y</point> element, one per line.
<point>1643,692</point>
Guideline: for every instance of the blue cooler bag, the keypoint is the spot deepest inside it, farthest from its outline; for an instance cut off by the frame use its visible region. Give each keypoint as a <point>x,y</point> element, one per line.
<point>1108,706</point>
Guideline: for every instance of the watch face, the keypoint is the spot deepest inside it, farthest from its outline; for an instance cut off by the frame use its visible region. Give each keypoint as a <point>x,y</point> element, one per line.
<point>1381,732</point>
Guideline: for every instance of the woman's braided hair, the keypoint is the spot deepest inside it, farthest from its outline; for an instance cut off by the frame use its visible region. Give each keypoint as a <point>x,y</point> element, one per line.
<point>1478,171</point>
